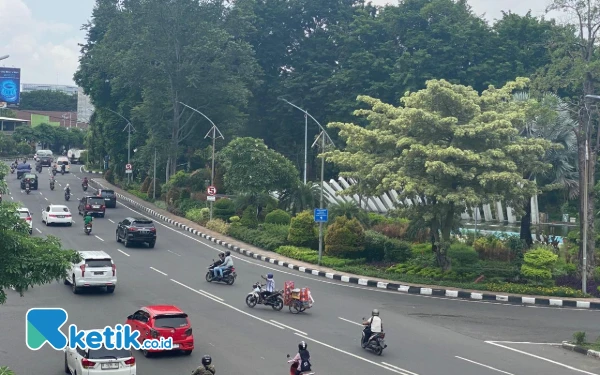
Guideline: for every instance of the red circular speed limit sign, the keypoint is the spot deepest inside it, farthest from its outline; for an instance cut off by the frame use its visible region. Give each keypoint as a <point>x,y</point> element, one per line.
<point>211,190</point>
<point>128,167</point>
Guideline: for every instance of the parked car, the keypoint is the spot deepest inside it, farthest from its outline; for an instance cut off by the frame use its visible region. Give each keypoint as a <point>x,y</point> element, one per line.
<point>99,361</point>
<point>32,178</point>
<point>92,205</point>
<point>165,321</point>
<point>109,196</point>
<point>57,214</point>
<point>95,270</point>
<point>136,230</point>
<point>24,214</point>
<point>63,160</point>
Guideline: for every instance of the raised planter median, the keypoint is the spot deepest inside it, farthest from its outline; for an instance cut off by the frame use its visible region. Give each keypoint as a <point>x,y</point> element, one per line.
<point>273,258</point>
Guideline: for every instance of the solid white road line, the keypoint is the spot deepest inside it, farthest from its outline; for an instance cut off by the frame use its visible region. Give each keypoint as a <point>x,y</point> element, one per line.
<point>541,358</point>
<point>482,365</point>
<point>225,304</point>
<point>161,272</point>
<point>400,369</point>
<point>39,231</point>
<point>528,343</point>
<point>99,238</point>
<point>349,321</point>
<point>172,252</point>
<point>288,327</point>
<point>351,355</point>
<point>111,221</point>
<point>122,252</point>
<point>211,295</point>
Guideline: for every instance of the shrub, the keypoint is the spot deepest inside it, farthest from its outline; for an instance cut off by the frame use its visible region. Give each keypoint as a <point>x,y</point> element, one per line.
<point>138,194</point>
<point>538,264</point>
<point>218,226</point>
<point>464,259</point>
<point>574,282</point>
<point>187,204</point>
<point>278,217</point>
<point>345,237</point>
<point>376,219</point>
<point>249,219</point>
<point>268,237</point>
<point>396,250</point>
<point>302,230</point>
<point>421,249</point>
<point>579,338</point>
<point>109,176</point>
<point>374,246</point>
<point>198,215</point>
<point>173,195</point>
<point>492,248</point>
<point>160,204</point>
<point>393,228</point>
<point>145,184</point>
<point>223,209</point>
<point>312,256</point>
<point>596,273</point>
<point>499,271</point>
<point>234,219</point>
<point>6,371</point>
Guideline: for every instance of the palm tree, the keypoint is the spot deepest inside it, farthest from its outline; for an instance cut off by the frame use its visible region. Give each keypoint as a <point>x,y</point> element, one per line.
<point>302,197</point>
<point>555,124</point>
<point>349,210</point>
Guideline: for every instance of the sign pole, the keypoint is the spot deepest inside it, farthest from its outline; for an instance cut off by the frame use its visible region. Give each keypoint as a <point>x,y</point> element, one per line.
<point>154,179</point>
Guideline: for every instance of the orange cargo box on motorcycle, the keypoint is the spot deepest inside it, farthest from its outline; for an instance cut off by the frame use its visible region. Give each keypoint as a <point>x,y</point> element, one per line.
<point>288,287</point>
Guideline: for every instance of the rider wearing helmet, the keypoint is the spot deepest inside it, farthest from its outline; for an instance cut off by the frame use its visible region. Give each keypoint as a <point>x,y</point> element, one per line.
<point>207,368</point>
<point>67,189</point>
<point>302,358</point>
<point>372,325</point>
<point>270,287</point>
<point>227,263</point>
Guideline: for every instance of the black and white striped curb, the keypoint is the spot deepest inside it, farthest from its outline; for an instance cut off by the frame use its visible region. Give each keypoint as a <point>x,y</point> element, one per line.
<point>92,172</point>
<point>579,349</point>
<point>371,283</point>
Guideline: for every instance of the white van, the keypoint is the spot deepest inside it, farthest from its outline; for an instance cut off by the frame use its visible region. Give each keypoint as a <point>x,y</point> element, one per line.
<point>63,160</point>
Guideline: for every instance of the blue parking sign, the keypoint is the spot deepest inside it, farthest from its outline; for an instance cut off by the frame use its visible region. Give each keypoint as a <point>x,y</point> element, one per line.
<point>321,215</point>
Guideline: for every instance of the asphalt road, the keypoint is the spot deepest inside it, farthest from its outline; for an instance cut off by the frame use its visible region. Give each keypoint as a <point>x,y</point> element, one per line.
<point>425,335</point>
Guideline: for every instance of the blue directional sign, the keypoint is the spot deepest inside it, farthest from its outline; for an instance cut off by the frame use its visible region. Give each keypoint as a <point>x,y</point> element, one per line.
<point>321,215</point>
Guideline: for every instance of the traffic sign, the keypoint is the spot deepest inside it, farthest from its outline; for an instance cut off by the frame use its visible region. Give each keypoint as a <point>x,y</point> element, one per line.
<point>321,215</point>
<point>211,190</point>
<point>211,198</point>
<point>128,168</point>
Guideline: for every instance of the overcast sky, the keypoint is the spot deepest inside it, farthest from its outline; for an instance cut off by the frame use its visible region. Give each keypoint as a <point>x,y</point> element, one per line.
<point>42,36</point>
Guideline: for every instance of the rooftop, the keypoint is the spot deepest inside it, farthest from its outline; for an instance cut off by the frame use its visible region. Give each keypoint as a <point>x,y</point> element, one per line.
<point>12,119</point>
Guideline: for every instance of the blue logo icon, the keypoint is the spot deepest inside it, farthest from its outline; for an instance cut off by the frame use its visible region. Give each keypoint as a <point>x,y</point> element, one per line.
<point>43,326</point>
<point>9,91</point>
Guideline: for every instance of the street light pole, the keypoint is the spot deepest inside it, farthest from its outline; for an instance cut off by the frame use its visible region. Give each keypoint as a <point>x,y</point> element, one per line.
<point>212,133</point>
<point>4,57</point>
<point>154,179</point>
<point>306,115</point>
<point>585,221</point>
<point>321,203</point>
<point>129,128</point>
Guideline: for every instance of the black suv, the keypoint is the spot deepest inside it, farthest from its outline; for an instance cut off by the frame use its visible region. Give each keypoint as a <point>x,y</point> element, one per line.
<point>33,181</point>
<point>45,160</point>
<point>109,196</point>
<point>136,230</point>
<point>92,206</point>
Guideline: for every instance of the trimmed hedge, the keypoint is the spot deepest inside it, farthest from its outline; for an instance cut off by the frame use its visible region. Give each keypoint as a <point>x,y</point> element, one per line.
<point>302,230</point>
<point>278,217</point>
<point>268,236</point>
<point>223,209</point>
<point>312,256</point>
<point>249,219</point>
<point>344,238</point>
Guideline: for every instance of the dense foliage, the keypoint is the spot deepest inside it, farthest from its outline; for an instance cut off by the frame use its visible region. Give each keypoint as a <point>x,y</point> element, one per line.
<point>48,100</point>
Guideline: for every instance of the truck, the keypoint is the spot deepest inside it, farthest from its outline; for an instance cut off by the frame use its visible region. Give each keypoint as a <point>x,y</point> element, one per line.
<point>74,156</point>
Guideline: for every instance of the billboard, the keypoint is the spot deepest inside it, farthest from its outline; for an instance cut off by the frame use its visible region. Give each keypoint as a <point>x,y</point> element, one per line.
<point>10,86</point>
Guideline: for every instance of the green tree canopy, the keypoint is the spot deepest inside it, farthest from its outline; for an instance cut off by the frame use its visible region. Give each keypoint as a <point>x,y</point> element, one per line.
<point>448,146</point>
<point>48,100</point>
<point>27,261</point>
<point>252,168</point>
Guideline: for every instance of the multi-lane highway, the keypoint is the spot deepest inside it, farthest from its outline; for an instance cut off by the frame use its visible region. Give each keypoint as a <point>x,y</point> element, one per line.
<point>425,335</point>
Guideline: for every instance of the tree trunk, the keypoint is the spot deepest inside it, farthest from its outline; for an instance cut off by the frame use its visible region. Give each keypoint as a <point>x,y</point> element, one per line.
<point>589,210</point>
<point>525,233</point>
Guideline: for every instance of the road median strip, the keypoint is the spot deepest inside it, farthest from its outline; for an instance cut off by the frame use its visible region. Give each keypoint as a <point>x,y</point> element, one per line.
<point>355,279</point>
<point>581,350</point>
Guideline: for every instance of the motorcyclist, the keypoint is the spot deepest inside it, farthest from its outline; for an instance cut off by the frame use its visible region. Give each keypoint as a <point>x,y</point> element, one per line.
<point>207,367</point>
<point>67,190</point>
<point>269,288</point>
<point>54,168</point>
<point>372,325</point>
<point>84,182</point>
<point>87,219</point>
<point>38,165</point>
<point>62,168</point>
<point>302,358</point>
<point>227,263</point>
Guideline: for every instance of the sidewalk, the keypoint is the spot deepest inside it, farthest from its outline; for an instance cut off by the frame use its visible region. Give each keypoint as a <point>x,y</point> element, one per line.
<point>274,258</point>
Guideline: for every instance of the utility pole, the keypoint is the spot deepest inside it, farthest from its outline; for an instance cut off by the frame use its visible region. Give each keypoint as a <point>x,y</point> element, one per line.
<point>154,179</point>
<point>129,129</point>
<point>323,136</point>
<point>212,133</point>
<point>305,133</point>
<point>585,221</point>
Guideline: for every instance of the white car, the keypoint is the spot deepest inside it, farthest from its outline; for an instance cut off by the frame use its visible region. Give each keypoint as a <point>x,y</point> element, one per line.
<point>95,270</point>
<point>99,361</point>
<point>63,160</point>
<point>24,214</point>
<point>57,214</point>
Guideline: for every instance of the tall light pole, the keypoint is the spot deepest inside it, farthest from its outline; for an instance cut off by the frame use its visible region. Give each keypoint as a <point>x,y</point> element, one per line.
<point>154,179</point>
<point>324,137</point>
<point>129,129</point>
<point>212,133</point>
<point>305,134</point>
<point>4,57</point>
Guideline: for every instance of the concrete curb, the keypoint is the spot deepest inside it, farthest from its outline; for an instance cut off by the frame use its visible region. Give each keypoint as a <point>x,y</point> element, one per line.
<point>453,293</point>
<point>92,172</point>
<point>579,349</point>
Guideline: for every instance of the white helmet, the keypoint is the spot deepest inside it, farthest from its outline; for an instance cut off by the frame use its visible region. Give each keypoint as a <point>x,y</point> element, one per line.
<point>67,185</point>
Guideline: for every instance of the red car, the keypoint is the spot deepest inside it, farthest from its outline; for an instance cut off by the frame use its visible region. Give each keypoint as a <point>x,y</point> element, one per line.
<point>165,321</point>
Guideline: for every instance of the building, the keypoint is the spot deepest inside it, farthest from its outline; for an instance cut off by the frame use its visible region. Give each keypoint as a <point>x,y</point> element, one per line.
<point>85,109</point>
<point>64,119</point>
<point>8,125</point>
<point>28,87</point>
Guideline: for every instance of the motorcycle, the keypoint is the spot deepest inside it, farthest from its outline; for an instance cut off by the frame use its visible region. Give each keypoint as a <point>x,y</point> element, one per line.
<point>38,169</point>
<point>52,185</point>
<point>84,186</point>
<point>229,275</point>
<point>27,189</point>
<point>67,196</point>
<point>294,367</point>
<point>62,171</point>
<point>88,229</point>
<point>376,342</point>
<point>12,170</point>
<point>275,300</point>
<point>54,172</point>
